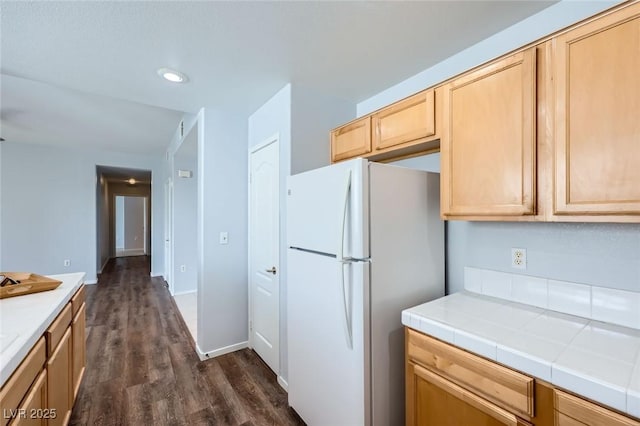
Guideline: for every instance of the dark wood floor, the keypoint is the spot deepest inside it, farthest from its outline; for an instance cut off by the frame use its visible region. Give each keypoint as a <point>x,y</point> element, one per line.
<point>142,368</point>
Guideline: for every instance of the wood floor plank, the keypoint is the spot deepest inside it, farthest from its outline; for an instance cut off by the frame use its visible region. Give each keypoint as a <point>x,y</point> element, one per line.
<point>142,368</point>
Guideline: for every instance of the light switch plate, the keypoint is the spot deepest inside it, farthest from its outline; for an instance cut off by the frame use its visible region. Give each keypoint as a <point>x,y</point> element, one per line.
<point>224,238</point>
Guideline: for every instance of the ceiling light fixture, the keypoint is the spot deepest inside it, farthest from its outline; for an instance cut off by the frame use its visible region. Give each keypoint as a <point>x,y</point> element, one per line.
<point>132,181</point>
<point>173,75</point>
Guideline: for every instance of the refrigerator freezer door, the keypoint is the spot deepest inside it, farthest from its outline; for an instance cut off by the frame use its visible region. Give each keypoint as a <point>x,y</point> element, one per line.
<point>326,377</point>
<point>316,215</point>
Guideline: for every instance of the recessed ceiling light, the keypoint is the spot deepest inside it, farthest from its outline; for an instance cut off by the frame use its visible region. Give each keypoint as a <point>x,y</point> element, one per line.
<point>173,75</point>
<point>132,181</point>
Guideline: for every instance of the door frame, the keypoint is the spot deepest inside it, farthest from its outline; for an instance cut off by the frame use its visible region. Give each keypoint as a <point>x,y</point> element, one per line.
<point>252,150</point>
<point>168,234</point>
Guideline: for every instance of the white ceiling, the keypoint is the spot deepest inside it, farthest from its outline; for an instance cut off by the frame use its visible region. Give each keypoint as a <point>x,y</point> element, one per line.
<point>84,73</point>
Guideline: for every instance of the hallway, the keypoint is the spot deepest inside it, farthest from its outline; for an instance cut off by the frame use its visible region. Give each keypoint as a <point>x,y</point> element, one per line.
<point>142,368</point>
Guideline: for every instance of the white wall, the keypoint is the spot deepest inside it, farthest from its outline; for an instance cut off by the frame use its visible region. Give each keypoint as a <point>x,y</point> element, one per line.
<point>119,222</point>
<point>302,117</point>
<point>1,264</point>
<point>605,255</point>
<point>549,20</point>
<point>185,215</point>
<point>133,222</point>
<point>49,207</point>
<point>222,206</point>
<point>313,115</point>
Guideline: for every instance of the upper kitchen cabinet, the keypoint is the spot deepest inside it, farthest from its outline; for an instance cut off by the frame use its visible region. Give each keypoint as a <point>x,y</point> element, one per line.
<point>406,128</point>
<point>488,145</point>
<point>351,140</point>
<point>406,124</point>
<point>596,69</point>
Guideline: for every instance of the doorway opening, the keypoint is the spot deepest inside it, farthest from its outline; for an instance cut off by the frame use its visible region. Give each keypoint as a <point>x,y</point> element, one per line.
<point>123,214</point>
<point>131,225</point>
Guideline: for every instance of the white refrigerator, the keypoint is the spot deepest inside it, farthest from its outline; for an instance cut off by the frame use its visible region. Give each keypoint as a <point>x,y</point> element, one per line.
<point>365,242</point>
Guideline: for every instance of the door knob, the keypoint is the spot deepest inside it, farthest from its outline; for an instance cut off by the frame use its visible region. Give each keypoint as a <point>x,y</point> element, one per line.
<point>272,270</point>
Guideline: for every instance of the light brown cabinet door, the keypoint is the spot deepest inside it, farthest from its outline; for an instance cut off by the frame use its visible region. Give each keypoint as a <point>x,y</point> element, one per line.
<point>435,401</point>
<point>488,145</point>
<point>351,140</point>
<point>403,122</point>
<point>59,390</point>
<point>34,410</point>
<point>79,349</point>
<point>597,116</point>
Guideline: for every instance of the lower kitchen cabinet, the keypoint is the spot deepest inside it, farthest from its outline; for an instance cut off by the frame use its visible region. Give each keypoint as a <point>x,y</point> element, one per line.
<point>42,390</point>
<point>59,369</point>
<point>448,386</point>
<point>34,411</point>
<point>79,349</point>
<point>433,400</point>
<point>573,411</point>
<point>12,394</point>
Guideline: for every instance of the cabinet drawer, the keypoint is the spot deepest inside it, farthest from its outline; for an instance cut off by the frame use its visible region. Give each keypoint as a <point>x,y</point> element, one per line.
<point>573,411</point>
<point>19,383</point>
<point>499,384</point>
<point>57,329</point>
<point>77,300</point>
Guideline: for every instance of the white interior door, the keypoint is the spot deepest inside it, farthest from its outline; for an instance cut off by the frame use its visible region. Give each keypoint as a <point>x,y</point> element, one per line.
<point>264,258</point>
<point>168,233</point>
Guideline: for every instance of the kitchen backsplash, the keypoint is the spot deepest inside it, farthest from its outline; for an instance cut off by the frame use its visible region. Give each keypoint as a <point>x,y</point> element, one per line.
<point>598,303</point>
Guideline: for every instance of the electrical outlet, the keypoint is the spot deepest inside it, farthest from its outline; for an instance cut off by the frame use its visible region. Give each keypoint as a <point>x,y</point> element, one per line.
<point>183,268</point>
<point>67,262</point>
<point>519,258</point>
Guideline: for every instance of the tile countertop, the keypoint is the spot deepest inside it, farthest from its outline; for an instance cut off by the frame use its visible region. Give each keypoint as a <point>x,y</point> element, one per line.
<point>24,319</point>
<point>598,360</point>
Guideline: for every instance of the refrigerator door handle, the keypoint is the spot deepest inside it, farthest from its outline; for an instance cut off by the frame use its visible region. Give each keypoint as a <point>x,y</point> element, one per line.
<point>346,305</point>
<point>342,260</point>
<point>343,217</point>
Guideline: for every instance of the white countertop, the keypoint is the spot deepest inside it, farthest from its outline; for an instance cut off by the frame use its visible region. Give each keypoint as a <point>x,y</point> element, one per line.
<point>24,319</point>
<point>598,360</point>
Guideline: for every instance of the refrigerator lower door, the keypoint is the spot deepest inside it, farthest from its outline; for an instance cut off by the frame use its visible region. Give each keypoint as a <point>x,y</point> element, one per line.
<point>326,373</point>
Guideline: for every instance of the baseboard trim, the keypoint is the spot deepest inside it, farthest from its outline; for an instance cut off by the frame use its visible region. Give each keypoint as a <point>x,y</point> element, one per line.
<point>221,351</point>
<point>180,293</point>
<point>91,282</point>
<point>131,252</point>
<point>283,383</point>
<point>103,265</point>
<point>156,274</point>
